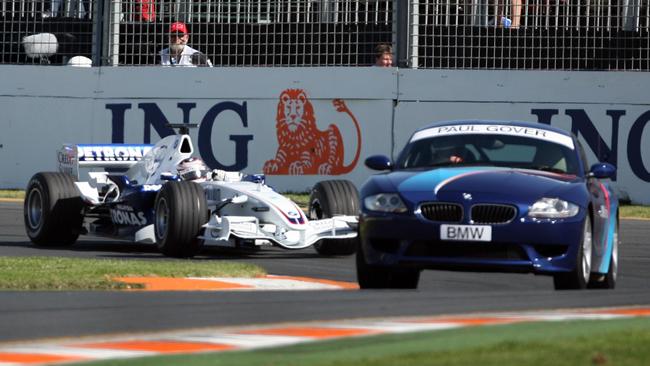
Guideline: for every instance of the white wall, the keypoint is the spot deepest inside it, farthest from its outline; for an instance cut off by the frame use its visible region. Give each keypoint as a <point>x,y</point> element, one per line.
<point>47,106</point>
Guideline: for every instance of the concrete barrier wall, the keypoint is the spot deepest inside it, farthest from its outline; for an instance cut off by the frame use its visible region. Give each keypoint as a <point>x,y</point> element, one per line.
<point>238,112</point>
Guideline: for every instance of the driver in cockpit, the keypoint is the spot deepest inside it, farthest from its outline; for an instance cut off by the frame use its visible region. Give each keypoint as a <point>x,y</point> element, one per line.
<point>195,170</point>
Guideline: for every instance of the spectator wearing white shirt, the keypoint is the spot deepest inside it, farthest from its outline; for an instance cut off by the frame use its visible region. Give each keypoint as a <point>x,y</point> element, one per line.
<point>179,53</point>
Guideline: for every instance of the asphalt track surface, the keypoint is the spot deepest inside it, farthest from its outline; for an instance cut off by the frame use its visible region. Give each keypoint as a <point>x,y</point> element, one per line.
<point>51,314</point>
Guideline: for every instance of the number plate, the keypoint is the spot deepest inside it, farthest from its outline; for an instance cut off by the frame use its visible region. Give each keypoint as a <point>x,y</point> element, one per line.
<point>466,232</point>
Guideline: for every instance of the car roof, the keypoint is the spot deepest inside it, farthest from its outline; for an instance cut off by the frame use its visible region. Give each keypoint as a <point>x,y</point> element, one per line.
<point>499,122</point>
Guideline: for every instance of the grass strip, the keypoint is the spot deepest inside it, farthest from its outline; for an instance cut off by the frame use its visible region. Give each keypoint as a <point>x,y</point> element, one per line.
<point>56,273</point>
<point>12,193</point>
<point>635,211</point>
<point>588,342</point>
<point>301,199</point>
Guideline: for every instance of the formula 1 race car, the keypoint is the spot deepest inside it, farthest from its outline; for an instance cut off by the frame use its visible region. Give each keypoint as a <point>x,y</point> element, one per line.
<point>165,196</point>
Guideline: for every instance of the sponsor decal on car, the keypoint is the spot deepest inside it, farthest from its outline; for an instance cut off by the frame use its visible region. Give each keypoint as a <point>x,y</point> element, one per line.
<point>125,215</point>
<point>67,158</point>
<point>151,187</point>
<point>495,129</point>
<point>103,153</point>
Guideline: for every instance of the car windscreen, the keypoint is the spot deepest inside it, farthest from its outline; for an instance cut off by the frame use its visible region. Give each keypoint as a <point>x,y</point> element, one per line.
<point>493,150</point>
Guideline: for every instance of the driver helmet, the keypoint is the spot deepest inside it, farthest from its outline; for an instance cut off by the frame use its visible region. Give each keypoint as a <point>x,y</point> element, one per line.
<point>193,169</point>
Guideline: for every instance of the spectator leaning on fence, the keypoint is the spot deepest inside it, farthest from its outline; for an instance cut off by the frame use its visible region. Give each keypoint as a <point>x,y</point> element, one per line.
<point>384,55</point>
<point>179,53</point>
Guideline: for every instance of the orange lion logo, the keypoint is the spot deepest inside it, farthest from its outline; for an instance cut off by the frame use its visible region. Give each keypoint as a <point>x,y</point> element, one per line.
<point>303,148</point>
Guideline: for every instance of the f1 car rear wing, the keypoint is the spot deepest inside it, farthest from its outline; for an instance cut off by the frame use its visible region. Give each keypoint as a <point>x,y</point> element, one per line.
<point>108,157</point>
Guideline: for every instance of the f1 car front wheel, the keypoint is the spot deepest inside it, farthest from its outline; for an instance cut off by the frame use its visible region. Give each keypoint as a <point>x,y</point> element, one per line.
<point>180,211</point>
<point>578,278</point>
<point>327,199</point>
<point>52,209</point>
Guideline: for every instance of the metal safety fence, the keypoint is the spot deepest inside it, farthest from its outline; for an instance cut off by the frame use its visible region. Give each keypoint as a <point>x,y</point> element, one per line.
<point>445,34</point>
<point>254,33</point>
<point>530,34</point>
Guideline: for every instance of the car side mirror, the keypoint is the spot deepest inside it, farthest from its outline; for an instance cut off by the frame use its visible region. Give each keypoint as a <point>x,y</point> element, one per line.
<point>379,162</point>
<point>602,170</point>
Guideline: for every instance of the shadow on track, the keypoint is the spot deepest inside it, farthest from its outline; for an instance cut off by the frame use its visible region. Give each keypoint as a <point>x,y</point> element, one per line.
<point>128,250</point>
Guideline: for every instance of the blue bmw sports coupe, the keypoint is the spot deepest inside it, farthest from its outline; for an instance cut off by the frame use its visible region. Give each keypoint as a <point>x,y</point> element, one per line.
<point>489,196</point>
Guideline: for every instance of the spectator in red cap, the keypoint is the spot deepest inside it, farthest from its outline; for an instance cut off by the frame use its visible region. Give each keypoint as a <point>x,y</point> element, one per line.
<point>179,53</point>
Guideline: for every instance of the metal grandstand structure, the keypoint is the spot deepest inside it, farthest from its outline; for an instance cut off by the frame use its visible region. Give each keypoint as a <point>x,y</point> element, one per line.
<point>438,34</point>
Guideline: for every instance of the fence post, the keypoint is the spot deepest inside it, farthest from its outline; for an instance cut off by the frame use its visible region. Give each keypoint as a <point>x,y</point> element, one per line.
<point>401,33</point>
<point>631,15</point>
<point>98,33</point>
<point>479,13</point>
<point>414,36</point>
<point>111,27</point>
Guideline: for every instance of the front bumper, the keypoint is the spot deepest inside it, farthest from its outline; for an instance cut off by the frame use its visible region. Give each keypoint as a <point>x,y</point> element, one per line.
<point>523,245</point>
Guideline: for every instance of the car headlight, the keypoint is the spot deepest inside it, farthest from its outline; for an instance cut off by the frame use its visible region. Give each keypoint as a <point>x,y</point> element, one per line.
<point>553,208</point>
<point>384,202</point>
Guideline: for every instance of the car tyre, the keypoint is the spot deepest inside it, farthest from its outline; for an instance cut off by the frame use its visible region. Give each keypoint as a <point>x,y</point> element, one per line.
<point>180,211</point>
<point>380,277</point>
<point>52,209</point>
<point>579,277</point>
<point>327,199</point>
<point>608,280</point>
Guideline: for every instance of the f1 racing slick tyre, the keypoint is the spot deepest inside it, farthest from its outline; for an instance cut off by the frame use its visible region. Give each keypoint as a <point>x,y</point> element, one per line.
<point>330,198</point>
<point>579,277</point>
<point>608,280</point>
<point>52,209</point>
<point>378,277</point>
<point>180,211</point>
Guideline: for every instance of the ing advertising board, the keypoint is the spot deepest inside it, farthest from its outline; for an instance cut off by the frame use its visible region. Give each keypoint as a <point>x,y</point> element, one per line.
<point>289,137</point>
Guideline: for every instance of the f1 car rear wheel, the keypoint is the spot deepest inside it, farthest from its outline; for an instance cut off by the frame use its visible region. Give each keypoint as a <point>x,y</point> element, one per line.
<point>378,277</point>
<point>608,280</point>
<point>52,209</point>
<point>327,199</point>
<point>579,276</point>
<point>180,211</point>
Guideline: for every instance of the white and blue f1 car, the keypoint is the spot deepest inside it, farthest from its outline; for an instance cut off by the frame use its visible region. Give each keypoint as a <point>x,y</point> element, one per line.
<point>167,197</point>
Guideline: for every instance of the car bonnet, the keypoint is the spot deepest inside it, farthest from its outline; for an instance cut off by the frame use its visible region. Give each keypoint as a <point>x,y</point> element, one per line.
<point>484,183</point>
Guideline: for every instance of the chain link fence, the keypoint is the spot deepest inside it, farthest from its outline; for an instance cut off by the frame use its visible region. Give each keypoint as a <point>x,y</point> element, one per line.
<point>439,34</point>
<point>530,34</point>
<point>253,33</point>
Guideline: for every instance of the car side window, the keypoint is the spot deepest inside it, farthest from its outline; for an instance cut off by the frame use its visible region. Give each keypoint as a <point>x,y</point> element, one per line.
<point>418,154</point>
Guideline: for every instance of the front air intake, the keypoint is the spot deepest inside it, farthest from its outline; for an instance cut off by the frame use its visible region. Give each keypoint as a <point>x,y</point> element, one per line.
<point>440,211</point>
<point>493,214</point>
